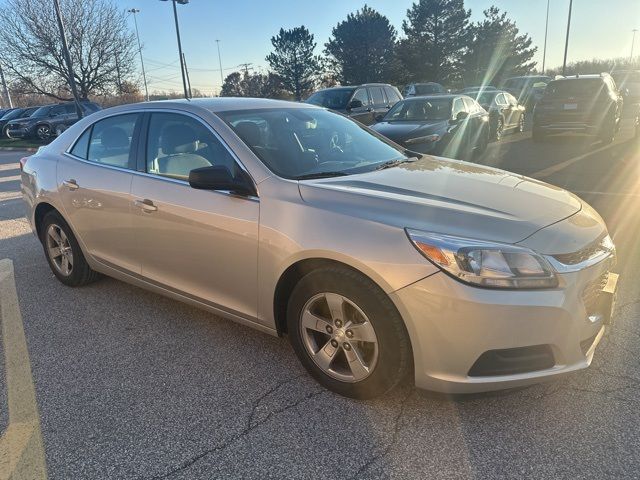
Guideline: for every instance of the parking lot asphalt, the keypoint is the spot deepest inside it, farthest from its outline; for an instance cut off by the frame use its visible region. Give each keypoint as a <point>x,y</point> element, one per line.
<point>132,385</point>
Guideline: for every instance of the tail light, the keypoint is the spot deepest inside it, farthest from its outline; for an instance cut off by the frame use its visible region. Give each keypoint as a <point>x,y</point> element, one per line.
<point>23,162</point>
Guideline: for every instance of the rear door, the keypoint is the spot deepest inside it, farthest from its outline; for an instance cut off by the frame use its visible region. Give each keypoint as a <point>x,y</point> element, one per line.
<point>201,243</point>
<point>94,182</point>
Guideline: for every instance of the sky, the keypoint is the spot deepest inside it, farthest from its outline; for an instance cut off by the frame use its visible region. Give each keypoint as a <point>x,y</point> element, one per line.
<point>599,29</point>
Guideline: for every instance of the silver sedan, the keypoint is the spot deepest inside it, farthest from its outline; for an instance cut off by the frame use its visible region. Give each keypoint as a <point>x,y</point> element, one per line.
<point>377,262</point>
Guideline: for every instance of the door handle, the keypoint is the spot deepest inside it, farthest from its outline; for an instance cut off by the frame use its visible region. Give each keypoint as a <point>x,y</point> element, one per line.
<point>146,205</point>
<point>71,184</point>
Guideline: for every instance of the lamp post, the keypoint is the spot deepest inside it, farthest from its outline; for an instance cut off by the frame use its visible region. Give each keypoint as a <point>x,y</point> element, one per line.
<point>175,16</point>
<point>546,29</point>
<point>633,41</point>
<point>220,64</point>
<point>566,43</point>
<point>133,11</point>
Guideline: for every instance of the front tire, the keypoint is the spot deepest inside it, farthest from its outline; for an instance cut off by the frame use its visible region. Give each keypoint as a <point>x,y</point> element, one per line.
<point>499,131</point>
<point>43,132</point>
<point>63,252</point>
<point>347,333</point>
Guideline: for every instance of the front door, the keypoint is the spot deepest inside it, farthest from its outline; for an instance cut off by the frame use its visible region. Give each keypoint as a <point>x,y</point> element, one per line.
<point>200,243</point>
<point>364,113</point>
<point>94,182</point>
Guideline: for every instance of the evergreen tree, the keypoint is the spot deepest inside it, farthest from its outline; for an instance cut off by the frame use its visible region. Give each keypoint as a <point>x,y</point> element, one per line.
<point>293,60</point>
<point>362,48</point>
<point>497,50</point>
<point>437,32</point>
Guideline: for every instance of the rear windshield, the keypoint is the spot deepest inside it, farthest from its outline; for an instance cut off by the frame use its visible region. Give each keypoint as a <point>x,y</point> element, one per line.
<point>420,109</point>
<point>426,89</point>
<point>580,87</point>
<point>334,98</point>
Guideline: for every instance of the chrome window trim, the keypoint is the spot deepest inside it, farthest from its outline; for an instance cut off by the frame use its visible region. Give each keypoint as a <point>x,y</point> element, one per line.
<point>68,153</point>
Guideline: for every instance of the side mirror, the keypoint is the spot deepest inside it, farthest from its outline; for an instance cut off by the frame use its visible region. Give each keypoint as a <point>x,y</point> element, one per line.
<point>354,104</point>
<point>218,177</point>
<point>460,117</point>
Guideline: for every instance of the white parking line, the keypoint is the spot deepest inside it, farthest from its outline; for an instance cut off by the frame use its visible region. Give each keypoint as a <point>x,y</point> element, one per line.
<point>545,172</point>
<point>21,447</point>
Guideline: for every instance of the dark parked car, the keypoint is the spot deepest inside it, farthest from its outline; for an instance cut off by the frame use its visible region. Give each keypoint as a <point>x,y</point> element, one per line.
<point>505,113</point>
<point>49,120</point>
<point>454,126</point>
<point>628,81</point>
<point>428,88</point>
<point>528,89</point>
<point>588,104</point>
<point>363,103</point>
<point>11,115</point>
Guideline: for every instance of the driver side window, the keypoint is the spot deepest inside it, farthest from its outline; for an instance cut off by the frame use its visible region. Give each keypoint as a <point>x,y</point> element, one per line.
<point>177,144</point>
<point>458,106</point>
<point>361,94</point>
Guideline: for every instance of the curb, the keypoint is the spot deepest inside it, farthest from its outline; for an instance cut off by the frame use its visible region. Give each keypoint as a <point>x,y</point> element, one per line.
<point>19,149</point>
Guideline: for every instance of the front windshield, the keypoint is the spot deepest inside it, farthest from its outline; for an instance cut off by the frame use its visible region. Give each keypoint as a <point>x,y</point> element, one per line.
<point>42,111</point>
<point>334,98</point>
<point>420,109</point>
<point>12,114</point>
<point>298,142</point>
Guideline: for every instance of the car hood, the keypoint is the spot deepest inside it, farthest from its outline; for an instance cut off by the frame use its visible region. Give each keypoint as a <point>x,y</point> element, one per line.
<point>446,196</point>
<point>21,121</point>
<point>403,130</point>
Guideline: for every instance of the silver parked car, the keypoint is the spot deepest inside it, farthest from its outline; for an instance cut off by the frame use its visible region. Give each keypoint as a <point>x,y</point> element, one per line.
<point>377,262</point>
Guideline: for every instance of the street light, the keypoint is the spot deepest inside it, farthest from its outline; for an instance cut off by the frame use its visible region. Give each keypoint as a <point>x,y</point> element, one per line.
<point>546,29</point>
<point>220,63</point>
<point>566,43</point>
<point>633,41</point>
<point>175,16</point>
<point>133,11</point>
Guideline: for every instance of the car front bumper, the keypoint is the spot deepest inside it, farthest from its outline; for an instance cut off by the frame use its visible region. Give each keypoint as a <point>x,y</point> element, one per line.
<point>458,330</point>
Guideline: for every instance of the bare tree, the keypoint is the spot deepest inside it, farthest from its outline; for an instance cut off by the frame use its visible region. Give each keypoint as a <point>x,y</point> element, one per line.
<point>101,45</point>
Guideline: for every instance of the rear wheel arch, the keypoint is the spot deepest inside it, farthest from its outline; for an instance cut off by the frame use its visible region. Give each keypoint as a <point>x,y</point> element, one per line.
<point>40,212</point>
<point>293,274</point>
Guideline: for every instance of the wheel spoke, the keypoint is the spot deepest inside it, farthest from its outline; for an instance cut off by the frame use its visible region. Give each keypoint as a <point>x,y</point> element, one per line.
<point>358,369</point>
<point>55,252</point>
<point>335,303</point>
<point>313,322</point>
<point>65,266</point>
<point>70,258</point>
<point>363,332</point>
<point>324,357</point>
<point>55,235</point>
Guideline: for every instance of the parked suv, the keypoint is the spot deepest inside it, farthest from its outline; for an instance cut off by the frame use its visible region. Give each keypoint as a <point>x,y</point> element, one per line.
<point>589,104</point>
<point>11,115</point>
<point>48,121</point>
<point>364,103</point>
<point>528,89</point>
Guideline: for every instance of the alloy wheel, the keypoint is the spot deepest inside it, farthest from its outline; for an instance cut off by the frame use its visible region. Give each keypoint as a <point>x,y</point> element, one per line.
<point>521,124</point>
<point>499,129</point>
<point>59,250</point>
<point>43,132</point>
<point>339,337</point>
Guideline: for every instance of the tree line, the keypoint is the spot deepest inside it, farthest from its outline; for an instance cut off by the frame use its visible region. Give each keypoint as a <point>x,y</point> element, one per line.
<point>439,44</point>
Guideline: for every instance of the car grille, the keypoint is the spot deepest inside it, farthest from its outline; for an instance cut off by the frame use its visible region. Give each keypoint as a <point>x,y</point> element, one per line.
<point>598,247</point>
<point>591,295</point>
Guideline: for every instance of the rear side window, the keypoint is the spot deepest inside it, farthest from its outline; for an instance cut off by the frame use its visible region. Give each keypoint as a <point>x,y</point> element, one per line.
<point>111,140</point>
<point>377,97</point>
<point>392,95</point>
<point>82,144</point>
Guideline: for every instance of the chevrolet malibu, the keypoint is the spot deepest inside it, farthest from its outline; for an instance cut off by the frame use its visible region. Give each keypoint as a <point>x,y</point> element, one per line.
<point>377,262</point>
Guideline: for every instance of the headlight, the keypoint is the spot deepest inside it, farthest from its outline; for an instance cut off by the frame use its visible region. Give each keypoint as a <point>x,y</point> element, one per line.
<point>425,139</point>
<point>485,264</point>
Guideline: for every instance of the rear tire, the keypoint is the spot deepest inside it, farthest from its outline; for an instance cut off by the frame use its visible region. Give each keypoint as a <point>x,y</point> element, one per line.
<point>608,133</point>
<point>364,361</point>
<point>537,135</point>
<point>63,252</point>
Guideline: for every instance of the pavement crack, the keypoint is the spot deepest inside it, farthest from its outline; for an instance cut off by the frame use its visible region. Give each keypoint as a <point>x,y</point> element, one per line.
<point>394,438</point>
<point>249,427</point>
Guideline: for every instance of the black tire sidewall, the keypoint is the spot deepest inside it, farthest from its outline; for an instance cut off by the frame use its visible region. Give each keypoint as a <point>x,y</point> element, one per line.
<point>394,356</point>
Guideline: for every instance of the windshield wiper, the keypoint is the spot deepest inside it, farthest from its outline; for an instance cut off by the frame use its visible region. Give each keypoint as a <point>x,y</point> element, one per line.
<point>310,176</point>
<point>395,163</point>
